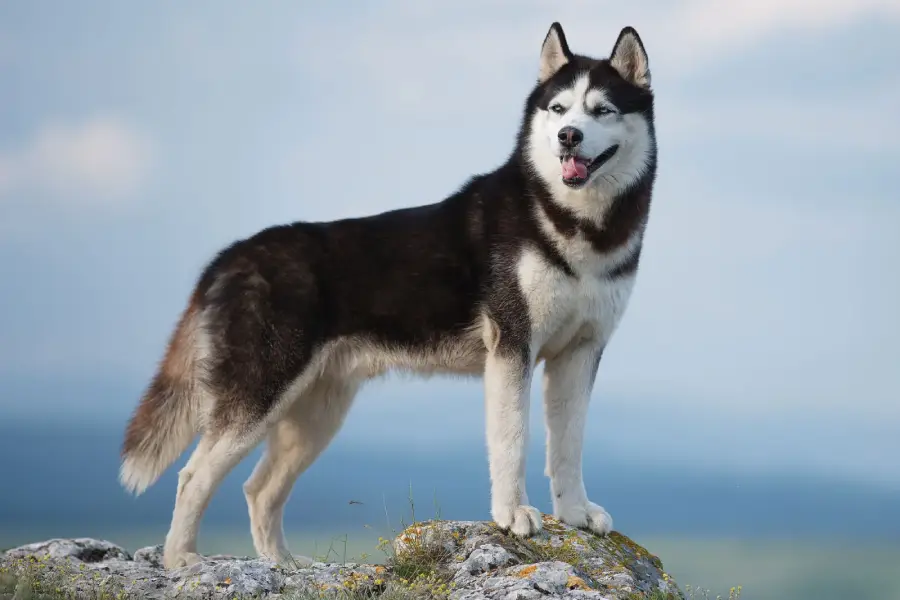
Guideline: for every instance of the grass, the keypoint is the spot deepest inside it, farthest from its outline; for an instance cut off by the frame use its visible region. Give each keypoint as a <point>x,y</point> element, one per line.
<point>38,579</point>
<point>419,567</point>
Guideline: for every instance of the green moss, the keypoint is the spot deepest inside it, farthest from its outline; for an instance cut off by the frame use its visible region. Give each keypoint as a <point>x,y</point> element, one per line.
<point>567,551</point>
<point>422,562</point>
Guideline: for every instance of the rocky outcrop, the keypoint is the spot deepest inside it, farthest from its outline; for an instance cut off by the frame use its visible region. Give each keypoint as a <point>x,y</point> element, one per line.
<point>441,560</point>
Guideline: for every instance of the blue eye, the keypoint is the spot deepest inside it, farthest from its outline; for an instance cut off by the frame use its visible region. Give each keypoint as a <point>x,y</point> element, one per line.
<point>557,108</point>
<point>602,110</point>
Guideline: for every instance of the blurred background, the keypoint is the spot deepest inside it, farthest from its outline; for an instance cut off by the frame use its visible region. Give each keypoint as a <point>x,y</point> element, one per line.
<point>745,419</point>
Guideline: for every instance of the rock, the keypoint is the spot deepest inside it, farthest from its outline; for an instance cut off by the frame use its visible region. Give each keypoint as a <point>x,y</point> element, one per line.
<point>441,560</point>
<point>84,550</point>
<point>152,555</point>
<point>561,562</point>
<point>485,558</point>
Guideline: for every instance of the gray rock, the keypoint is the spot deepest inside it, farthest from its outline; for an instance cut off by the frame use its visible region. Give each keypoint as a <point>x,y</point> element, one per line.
<point>84,550</point>
<point>450,560</point>
<point>152,555</point>
<point>484,558</point>
<point>335,579</point>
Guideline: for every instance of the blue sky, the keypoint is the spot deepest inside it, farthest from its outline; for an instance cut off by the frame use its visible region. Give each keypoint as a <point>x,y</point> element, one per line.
<point>136,140</point>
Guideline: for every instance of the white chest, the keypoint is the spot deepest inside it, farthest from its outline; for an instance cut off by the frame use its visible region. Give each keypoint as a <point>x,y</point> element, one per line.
<point>565,309</point>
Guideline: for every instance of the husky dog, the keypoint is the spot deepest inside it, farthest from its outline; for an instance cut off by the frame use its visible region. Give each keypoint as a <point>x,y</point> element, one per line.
<point>534,261</point>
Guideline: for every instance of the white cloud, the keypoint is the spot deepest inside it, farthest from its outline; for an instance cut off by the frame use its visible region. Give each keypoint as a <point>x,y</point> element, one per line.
<point>98,161</point>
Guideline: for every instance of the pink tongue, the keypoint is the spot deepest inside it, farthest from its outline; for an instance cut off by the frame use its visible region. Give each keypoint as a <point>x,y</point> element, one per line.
<point>573,169</point>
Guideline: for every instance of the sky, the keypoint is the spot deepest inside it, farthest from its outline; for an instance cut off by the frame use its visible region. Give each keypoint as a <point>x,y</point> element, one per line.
<point>138,139</point>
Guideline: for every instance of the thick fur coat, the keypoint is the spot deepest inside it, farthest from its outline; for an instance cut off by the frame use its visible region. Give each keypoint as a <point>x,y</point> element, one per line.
<point>534,261</point>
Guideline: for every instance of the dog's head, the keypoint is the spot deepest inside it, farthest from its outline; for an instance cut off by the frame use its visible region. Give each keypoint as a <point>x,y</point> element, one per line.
<point>589,122</point>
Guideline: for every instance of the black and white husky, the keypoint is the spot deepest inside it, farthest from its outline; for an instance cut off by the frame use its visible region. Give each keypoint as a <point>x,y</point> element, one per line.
<point>533,261</point>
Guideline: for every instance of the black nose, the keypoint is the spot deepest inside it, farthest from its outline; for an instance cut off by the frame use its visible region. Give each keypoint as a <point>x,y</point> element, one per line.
<point>570,136</point>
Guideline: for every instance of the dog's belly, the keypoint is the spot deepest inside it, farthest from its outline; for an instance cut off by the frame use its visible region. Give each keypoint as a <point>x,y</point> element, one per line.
<point>365,359</point>
<point>566,310</point>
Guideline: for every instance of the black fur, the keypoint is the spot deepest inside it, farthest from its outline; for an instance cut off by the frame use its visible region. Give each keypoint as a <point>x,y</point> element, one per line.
<point>406,278</point>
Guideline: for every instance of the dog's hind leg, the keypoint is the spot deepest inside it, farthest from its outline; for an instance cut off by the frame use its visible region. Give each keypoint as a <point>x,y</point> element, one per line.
<point>293,445</point>
<point>215,455</point>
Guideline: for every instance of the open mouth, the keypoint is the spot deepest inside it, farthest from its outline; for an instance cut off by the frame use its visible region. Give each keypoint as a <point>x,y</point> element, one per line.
<point>576,170</point>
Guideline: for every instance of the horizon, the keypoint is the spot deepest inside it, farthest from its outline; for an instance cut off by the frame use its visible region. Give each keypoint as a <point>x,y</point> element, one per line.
<point>651,499</point>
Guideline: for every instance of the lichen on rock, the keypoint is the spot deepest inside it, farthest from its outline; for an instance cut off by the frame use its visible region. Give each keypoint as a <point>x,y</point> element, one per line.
<point>441,560</point>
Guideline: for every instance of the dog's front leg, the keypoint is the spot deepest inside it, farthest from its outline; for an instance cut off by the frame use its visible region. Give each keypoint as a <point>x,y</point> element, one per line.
<point>507,379</point>
<point>568,380</point>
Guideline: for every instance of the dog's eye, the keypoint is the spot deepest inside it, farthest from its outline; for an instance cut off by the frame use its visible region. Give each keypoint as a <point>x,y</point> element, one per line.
<point>602,110</point>
<point>557,108</point>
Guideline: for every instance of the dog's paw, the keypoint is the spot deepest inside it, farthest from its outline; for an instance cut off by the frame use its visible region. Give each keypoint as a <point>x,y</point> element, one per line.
<point>586,516</point>
<point>177,560</point>
<point>523,520</point>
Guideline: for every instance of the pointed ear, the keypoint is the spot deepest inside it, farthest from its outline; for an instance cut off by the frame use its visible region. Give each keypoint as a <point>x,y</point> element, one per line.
<point>629,58</point>
<point>554,53</point>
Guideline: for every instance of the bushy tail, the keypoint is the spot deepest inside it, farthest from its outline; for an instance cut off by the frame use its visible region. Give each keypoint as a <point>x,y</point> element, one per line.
<point>165,421</point>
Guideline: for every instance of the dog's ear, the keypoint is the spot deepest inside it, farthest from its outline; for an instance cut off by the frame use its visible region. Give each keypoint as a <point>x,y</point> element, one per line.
<point>554,53</point>
<point>629,58</point>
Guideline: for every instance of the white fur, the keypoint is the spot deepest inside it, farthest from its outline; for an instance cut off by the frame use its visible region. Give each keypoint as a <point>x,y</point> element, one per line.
<point>553,57</point>
<point>568,379</point>
<point>214,457</point>
<point>507,382</point>
<point>294,443</point>
<point>572,321</point>
<point>630,131</point>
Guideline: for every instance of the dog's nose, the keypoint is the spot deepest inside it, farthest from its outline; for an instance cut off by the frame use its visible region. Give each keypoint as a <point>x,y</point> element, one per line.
<point>570,136</point>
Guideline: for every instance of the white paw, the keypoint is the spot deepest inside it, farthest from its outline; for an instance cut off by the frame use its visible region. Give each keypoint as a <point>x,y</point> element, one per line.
<point>523,520</point>
<point>177,560</point>
<point>586,516</point>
